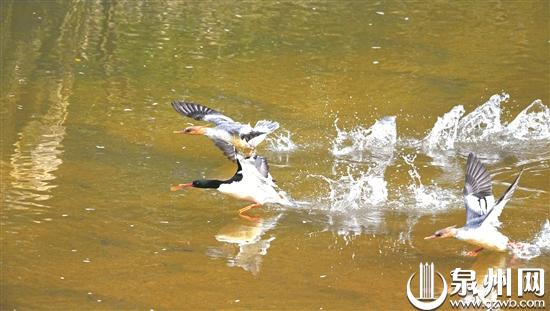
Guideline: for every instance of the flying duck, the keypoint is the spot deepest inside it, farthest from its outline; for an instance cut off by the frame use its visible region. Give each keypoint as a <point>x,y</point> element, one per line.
<point>228,135</point>
<point>482,211</point>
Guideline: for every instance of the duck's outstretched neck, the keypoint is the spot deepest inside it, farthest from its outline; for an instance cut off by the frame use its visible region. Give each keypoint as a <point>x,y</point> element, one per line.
<point>207,183</point>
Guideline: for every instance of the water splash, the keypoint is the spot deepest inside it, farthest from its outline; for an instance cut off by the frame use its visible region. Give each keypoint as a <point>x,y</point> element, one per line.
<point>533,123</point>
<point>428,198</point>
<point>445,131</point>
<point>539,245</point>
<point>484,124</point>
<point>353,144</point>
<point>353,201</point>
<point>352,192</point>
<point>357,186</point>
<point>354,197</point>
<point>483,121</point>
<point>542,240</point>
<point>282,142</point>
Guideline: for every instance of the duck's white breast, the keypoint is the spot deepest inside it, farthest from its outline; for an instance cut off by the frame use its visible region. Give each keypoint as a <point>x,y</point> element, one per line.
<point>486,237</point>
<point>238,190</point>
<point>250,189</point>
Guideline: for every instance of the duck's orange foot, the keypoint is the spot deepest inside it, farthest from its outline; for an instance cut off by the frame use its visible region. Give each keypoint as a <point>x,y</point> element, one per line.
<point>249,218</point>
<point>473,253</point>
<point>246,208</point>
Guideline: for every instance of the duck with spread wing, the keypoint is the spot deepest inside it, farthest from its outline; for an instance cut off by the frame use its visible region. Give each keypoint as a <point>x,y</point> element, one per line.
<point>228,135</point>
<point>482,211</point>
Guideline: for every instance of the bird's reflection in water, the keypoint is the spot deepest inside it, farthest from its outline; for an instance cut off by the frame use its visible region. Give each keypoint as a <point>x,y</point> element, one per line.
<point>487,282</point>
<point>244,243</point>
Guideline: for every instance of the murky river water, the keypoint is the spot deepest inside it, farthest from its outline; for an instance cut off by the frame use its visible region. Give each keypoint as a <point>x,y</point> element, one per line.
<point>88,153</point>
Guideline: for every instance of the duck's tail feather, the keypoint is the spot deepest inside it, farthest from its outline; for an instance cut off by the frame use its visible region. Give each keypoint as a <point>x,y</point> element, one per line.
<point>266,126</point>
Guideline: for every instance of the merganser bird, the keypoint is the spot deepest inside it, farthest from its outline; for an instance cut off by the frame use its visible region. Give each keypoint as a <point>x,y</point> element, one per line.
<point>252,182</point>
<point>482,211</point>
<point>227,134</point>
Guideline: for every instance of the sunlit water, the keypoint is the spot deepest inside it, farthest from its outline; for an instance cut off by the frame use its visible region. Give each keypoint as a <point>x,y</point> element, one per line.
<point>379,106</point>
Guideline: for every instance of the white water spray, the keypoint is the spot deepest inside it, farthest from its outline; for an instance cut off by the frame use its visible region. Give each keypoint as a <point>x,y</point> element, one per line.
<point>431,198</point>
<point>539,245</point>
<point>483,121</point>
<point>354,144</point>
<point>362,155</point>
<point>533,123</point>
<point>484,124</point>
<point>282,142</point>
<point>445,131</point>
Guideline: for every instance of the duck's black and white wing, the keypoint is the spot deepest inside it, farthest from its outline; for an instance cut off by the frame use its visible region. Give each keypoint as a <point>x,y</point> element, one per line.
<point>201,113</point>
<point>261,166</point>
<point>494,213</point>
<point>254,136</point>
<point>228,149</point>
<point>256,169</point>
<point>478,192</point>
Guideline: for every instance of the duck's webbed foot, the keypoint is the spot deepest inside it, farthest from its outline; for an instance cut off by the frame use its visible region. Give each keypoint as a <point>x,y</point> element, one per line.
<point>250,218</point>
<point>474,252</point>
<point>246,208</point>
